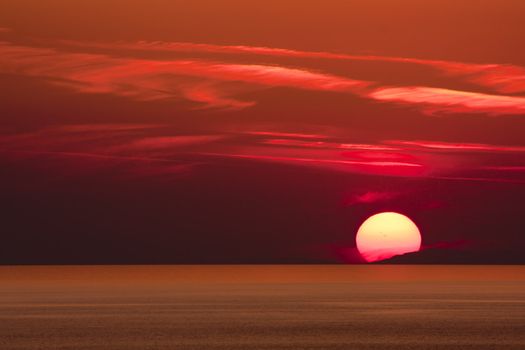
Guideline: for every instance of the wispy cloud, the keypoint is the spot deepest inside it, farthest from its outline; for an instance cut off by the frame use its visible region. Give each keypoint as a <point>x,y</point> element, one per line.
<point>374,167</point>
<point>451,101</point>
<point>174,141</point>
<point>509,168</point>
<point>456,146</point>
<point>285,134</point>
<point>371,197</point>
<point>160,147</point>
<point>217,84</point>
<point>327,144</point>
<point>157,80</point>
<point>502,78</point>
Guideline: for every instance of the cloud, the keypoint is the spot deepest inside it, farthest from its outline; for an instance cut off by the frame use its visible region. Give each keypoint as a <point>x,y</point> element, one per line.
<point>479,179</point>
<point>386,253</point>
<point>215,84</point>
<point>159,80</point>
<point>325,144</point>
<point>168,142</point>
<point>116,150</point>
<point>275,76</point>
<point>451,101</point>
<point>90,155</point>
<point>456,146</point>
<point>285,134</point>
<point>287,157</point>
<point>115,143</point>
<point>371,197</point>
<point>511,168</point>
<point>105,127</point>
<point>153,147</point>
<point>211,96</point>
<point>502,78</point>
<point>61,164</point>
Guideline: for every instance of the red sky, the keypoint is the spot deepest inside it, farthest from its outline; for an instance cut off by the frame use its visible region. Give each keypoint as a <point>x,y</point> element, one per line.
<point>261,131</point>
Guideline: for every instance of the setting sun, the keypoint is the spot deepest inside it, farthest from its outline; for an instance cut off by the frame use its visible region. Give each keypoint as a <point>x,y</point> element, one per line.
<point>387,234</point>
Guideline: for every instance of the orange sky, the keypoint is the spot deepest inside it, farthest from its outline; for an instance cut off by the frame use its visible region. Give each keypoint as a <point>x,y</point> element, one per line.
<point>229,122</point>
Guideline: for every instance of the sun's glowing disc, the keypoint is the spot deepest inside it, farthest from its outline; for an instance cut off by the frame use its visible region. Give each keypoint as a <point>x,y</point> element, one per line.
<point>387,234</point>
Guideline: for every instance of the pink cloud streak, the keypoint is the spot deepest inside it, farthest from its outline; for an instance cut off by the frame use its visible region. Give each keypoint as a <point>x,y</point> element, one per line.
<point>214,83</point>
<point>452,146</point>
<point>379,167</point>
<point>371,197</point>
<point>127,143</point>
<point>324,144</point>
<point>154,80</point>
<point>285,134</point>
<point>451,101</point>
<point>503,78</point>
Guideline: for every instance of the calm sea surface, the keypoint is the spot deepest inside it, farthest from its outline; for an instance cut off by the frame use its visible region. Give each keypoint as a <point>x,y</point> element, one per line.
<point>262,307</point>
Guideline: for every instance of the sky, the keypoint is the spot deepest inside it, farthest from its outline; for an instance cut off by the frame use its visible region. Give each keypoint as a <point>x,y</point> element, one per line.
<point>259,131</point>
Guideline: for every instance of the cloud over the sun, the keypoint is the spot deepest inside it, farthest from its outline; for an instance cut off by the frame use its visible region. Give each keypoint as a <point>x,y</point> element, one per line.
<point>370,197</point>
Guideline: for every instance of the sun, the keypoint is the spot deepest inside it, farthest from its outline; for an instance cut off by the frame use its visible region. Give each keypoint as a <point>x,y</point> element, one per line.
<point>384,235</point>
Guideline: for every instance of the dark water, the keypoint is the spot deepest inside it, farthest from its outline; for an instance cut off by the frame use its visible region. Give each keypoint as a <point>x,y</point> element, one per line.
<point>262,307</point>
